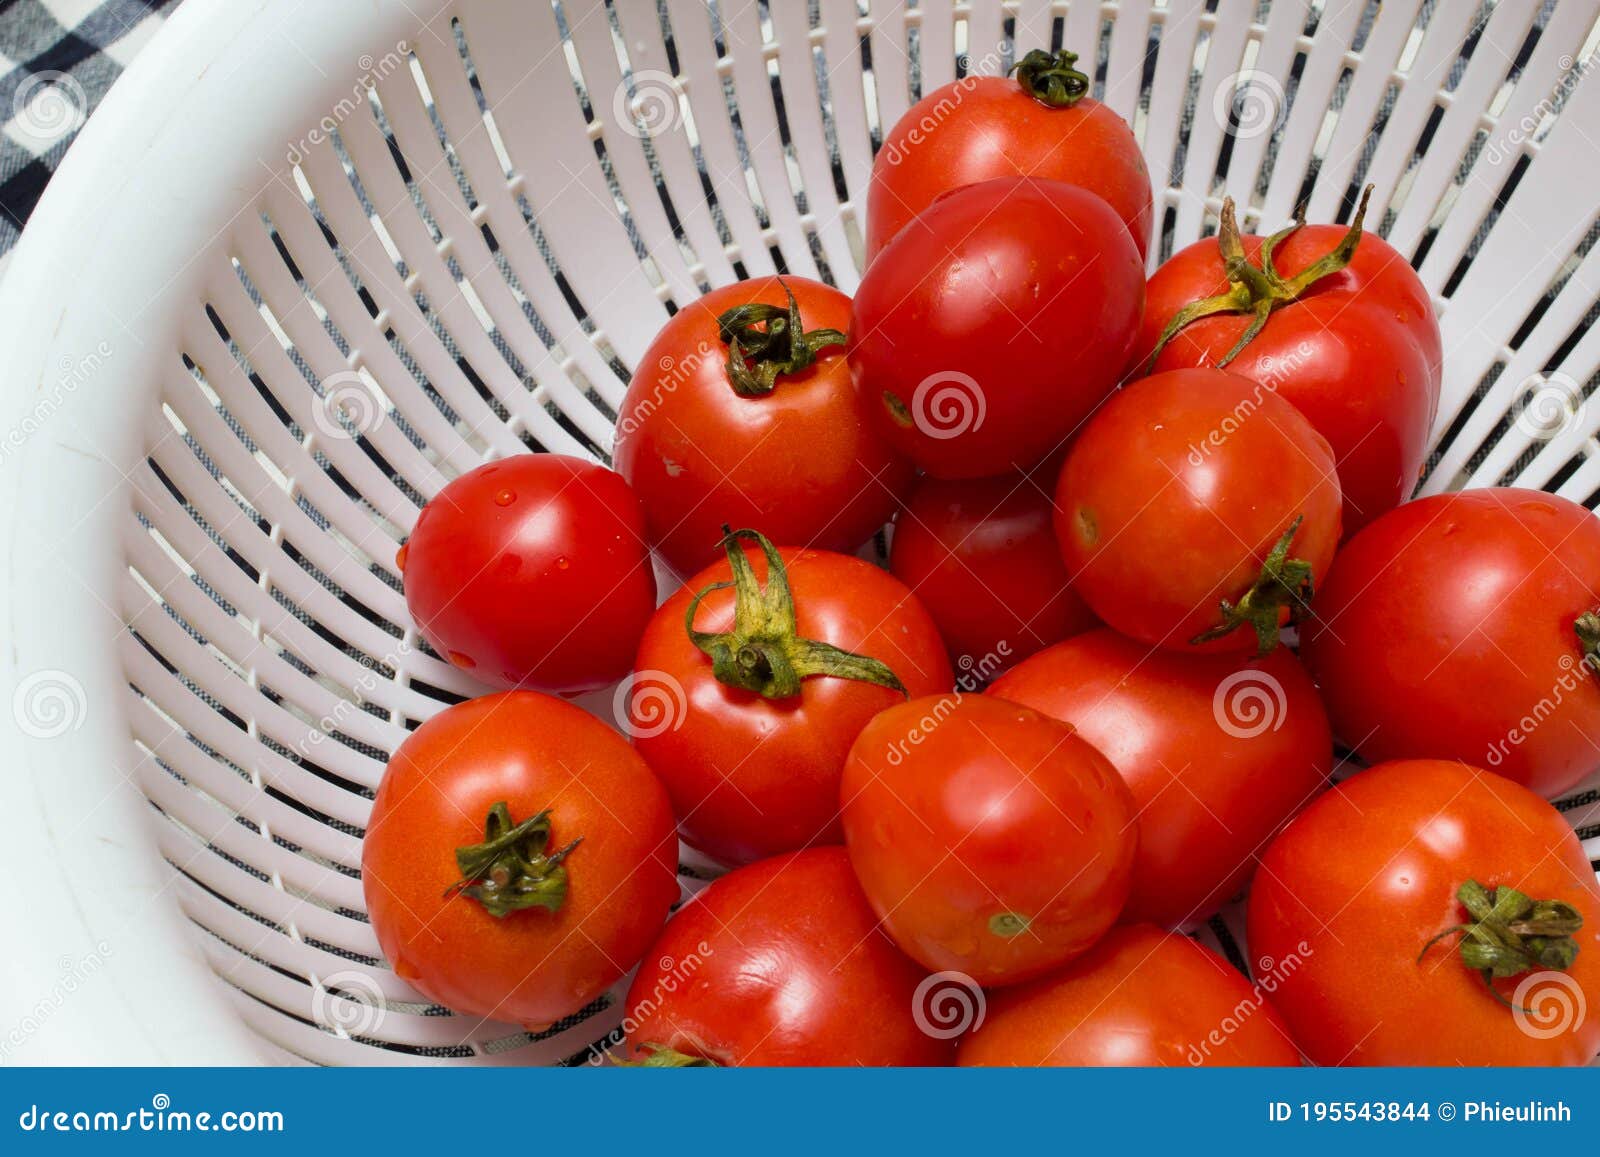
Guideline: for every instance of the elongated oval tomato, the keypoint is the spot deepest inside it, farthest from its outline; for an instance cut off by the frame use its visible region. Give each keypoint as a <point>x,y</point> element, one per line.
<point>1140,997</point>
<point>1350,339</point>
<point>1041,124</point>
<point>1219,753</point>
<point>989,838</point>
<point>532,572</point>
<point>994,323</point>
<point>1198,508</point>
<point>750,745</point>
<point>780,963</point>
<point>1360,906</point>
<point>1464,626</point>
<point>788,447</point>
<point>981,554</point>
<point>581,874</point>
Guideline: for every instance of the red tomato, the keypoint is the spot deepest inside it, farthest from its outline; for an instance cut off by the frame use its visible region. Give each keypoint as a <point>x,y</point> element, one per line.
<point>1218,753</point>
<point>750,745</point>
<point>994,323</point>
<point>1140,997</point>
<point>1196,503</point>
<point>1462,626</point>
<point>981,554</point>
<point>1043,124</point>
<point>532,572</point>
<point>801,461</point>
<point>780,963</point>
<point>989,838</point>
<point>1351,898</point>
<point>1351,341</point>
<point>580,883</point>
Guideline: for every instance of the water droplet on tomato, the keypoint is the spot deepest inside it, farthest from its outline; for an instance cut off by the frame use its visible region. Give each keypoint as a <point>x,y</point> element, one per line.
<point>463,660</point>
<point>563,563</point>
<point>505,498</point>
<point>400,556</point>
<point>1400,376</point>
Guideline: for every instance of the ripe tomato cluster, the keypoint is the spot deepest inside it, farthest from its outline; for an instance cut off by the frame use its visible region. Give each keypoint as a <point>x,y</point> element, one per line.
<point>973,802</point>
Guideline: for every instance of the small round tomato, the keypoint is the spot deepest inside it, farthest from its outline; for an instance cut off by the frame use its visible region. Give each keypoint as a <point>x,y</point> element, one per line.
<point>1428,913</point>
<point>981,554</point>
<point>1042,124</point>
<point>519,859</point>
<point>989,838</point>
<point>994,323</point>
<point>533,572</point>
<point>742,412</point>
<point>1195,503</point>
<point>1465,626</point>
<point>779,963</point>
<point>755,678</point>
<point>1346,333</point>
<point>1140,997</point>
<point>1218,753</point>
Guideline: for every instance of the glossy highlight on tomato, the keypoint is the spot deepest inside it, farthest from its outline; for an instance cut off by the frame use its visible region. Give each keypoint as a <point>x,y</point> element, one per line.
<point>582,894</point>
<point>780,963</point>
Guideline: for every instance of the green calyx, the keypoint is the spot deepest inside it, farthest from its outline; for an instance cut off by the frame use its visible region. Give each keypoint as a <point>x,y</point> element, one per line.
<point>1259,290</point>
<point>764,652</point>
<point>767,341</point>
<point>512,868</point>
<point>1587,627</point>
<point>1511,934</point>
<point>659,1056</point>
<point>1052,78</point>
<point>1283,582</point>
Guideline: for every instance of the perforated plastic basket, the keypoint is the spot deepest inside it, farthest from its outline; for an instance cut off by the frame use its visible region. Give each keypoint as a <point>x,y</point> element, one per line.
<point>311,261</point>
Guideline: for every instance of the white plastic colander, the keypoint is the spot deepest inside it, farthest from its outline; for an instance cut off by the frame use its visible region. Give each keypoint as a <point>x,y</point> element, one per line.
<point>312,260</point>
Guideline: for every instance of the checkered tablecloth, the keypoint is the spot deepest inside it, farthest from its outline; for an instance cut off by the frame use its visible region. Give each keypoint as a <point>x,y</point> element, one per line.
<point>57,59</point>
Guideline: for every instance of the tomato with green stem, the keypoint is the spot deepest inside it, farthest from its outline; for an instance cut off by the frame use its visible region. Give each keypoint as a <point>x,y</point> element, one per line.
<point>779,963</point>
<point>1140,997</point>
<point>1425,912</point>
<point>742,411</point>
<point>1218,750</point>
<point>753,680</point>
<point>990,839</point>
<point>1334,321</point>
<point>519,859</point>
<point>1198,510</point>
<point>1043,124</point>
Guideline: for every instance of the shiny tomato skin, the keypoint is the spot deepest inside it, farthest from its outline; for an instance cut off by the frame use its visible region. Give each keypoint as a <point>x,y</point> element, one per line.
<point>532,572</point>
<point>1359,355</point>
<point>1141,997</point>
<point>992,325</point>
<point>803,464</point>
<point>1364,877</point>
<point>989,838</point>
<point>1170,502</point>
<point>984,127</point>
<point>781,963</point>
<point>981,554</point>
<point>1219,752</point>
<point>752,777</point>
<point>531,967</point>
<point>1446,629</point>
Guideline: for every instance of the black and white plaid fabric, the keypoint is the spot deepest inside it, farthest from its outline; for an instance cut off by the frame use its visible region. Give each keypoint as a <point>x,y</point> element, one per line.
<point>57,59</point>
